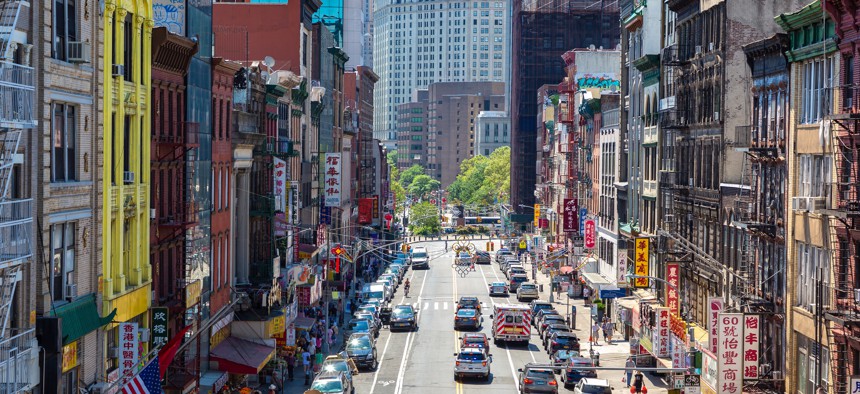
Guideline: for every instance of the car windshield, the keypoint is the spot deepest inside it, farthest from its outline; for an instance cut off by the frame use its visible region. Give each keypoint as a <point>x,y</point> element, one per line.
<point>589,389</point>
<point>564,339</point>
<point>567,354</point>
<point>419,255</point>
<point>359,325</point>
<point>358,344</point>
<point>468,301</point>
<point>368,308</point>
<point>499,284</point>
<point>402,312</point>
<point>466,313</point>
<point>374,294</point>
<point>472,356</point>
<point>475,339</point>
<point>335,366</point>
<point>550,318</point>
<point>327,386</point>
<point>540,374</point>
<point>519,279</point>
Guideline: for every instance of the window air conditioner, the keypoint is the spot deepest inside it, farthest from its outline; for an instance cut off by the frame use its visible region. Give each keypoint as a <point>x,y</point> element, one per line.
<point>698,49</point>
<point>79,52</point>
<point>99,388</point>
<point>799,203</point>
<point>118,70</point>
<point>128,177</point>
<point>710,47</point>
<point>71,291</point>
<point>144,334</point>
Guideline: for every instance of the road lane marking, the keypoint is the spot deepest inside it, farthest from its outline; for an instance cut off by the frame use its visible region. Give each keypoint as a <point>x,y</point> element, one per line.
<point>410,338</point>
<point>445,306</point>
<point>507,351</point>
<point>388,340</point>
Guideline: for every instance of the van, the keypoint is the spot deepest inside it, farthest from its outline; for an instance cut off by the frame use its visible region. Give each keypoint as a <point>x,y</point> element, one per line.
<point>374,290</point>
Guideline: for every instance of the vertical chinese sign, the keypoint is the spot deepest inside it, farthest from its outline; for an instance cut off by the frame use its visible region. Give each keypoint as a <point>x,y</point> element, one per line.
<point>643,257</point>
<point>128,350</point>
<point>590,234</point>
<point>751,346</point>
<point>159,327</point>
<point>375,209</point>
<point>673,276</point>
<point>729,358</point>
<point>571,210</point>
<point>715,307</point>
<point>332,180</point>
<point>537,216</point>
<point>365,210</point>
<point>621,279</point>
<point>678,328</point>
<point>660,334</point>
<point>280,182</point>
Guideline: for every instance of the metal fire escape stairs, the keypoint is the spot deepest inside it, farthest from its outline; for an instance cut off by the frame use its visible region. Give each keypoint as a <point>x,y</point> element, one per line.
<point>843,313</point>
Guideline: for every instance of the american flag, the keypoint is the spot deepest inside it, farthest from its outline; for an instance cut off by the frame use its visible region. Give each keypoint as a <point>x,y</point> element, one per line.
<point>146,382</point>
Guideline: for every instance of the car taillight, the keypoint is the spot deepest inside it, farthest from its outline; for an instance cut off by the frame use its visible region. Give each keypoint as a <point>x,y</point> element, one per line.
<point>553,383</point>
<point>528,381</point>
<point>458,363</point>
<point>484,363</point>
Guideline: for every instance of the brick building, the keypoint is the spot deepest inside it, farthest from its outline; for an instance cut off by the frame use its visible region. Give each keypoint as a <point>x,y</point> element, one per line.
<point>412,131</point>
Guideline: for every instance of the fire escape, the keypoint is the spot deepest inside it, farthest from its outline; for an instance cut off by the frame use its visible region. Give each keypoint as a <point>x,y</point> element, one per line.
<point>18,349</point>
<point>568,142</point>
<point>844,312</point>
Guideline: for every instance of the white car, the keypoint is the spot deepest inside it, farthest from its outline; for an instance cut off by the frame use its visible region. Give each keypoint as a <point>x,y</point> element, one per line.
<point>592,386</point>
<point>498,289</point>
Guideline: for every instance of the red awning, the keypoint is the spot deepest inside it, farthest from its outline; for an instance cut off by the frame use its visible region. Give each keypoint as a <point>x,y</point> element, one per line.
<point>238,356</point>
<point>565,270</point>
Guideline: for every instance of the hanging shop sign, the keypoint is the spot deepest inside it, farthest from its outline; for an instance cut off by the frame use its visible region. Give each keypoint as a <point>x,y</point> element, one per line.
<point>715,307</point>
<point>128,349</point>
<point>751,346</point>
<point>621,278</point>
<point>590,234</point>
<point>571,220</point>
<point>279,169</point>
<point>642,257</point>
<point>660,334</point>
<point>70,356</point>
<point>729,357</point>
<point>365,210</point>
<point>537,215</point>
<point>673,276</point>
<point>331,180</point>
<point>159,326</point>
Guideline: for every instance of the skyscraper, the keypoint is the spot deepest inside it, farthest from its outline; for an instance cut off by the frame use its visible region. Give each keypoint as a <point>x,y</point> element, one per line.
<point>417,43</point>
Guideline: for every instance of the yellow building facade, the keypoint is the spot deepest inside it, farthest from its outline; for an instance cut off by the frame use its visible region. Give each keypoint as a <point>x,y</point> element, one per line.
<point>126,272</point>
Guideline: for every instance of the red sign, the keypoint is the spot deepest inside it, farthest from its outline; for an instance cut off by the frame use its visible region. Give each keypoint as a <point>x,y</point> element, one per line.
<point>433,201</point>
<point>571,215</point>
<point>678,327</point>
<point>590,234</point>
<point>673,277</point>
<point>388,216</point>
<point>365,210</point>
<point>337,250</point>
<point>751,346</point>
<point>444,200</point>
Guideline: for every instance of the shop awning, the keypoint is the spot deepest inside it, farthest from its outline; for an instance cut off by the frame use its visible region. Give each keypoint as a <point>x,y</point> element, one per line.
<point>238,356</point>
<point>565,270</point>
<point>80,318</point>
<point>595,280</point>
<point>627,302</point>
<point>304,323</point>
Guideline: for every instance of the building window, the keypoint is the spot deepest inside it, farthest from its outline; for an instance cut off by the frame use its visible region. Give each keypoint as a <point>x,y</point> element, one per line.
<point>65,27</point>
<point>63,153</point>
<point>816,92</point>
<point>807,364</point>
<point>63,261</point>
<point>813,264</point>
<point>128,43</point>
<point>814,174</point>
<point>70,380</point>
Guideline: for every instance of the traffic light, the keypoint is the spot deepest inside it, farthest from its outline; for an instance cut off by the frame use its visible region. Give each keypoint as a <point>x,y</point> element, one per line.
<point>403,248</point>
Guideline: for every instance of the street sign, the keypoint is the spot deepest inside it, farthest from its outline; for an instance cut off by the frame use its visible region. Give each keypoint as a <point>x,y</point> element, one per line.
<point>523,245</point>
<point>388,216</point>
<point>679,382</point>
<point>612,293</point>
<point>590,234</point>
<point>692,384</point>
<point>433,201</point>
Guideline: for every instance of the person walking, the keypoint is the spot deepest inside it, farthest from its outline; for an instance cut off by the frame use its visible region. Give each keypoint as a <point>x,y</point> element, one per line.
<point>306,363</point>
<point>630,365</point>
<point>607,331</point>
<point>595,332</point>
<point>291,365</point>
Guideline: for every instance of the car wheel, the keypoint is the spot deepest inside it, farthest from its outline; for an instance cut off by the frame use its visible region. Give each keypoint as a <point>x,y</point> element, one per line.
<point>375,364</point>
<point>455,377</point>
<point>487,377</point>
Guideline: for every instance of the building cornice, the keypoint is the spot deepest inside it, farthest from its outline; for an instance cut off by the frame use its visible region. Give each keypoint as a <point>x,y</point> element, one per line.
<point>803,17</point>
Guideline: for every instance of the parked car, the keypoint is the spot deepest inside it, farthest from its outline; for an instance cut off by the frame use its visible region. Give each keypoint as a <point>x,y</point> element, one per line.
<point>339,363</point>
<point>539,315</point>
<point>358,326</point>
<point>527,291</point>
<point>469,302</point>
<point>564,355</point>
<point>572,375</point>
<point>562,340</point>
<point>334,382</point>
<point>361,349</point>
<point>553,328</point>
<point>472,362</point>
<point>514,269</point>
<point>538,305</point>
<point>377,322</point>
<point>516,280</point>
<point>592,386</point>
<point>468,318</point>
<point>537,380</point>
<point>502,253</point>
<point>403,317</point>
<point>549,319</point>
<point>482,257</point>
<point>498,289</point>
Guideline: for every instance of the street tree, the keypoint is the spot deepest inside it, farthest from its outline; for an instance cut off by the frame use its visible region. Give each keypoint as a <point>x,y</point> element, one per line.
<point>483,180</point>
<point>424,219</point>
<point>409,174</point>
<point>422,185</point>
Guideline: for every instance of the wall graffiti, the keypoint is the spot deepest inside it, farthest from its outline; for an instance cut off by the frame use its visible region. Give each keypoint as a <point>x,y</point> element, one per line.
<point>603,82</point>
<point>170,14</point>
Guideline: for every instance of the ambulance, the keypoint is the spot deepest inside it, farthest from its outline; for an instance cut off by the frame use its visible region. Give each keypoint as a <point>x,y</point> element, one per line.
<point>511,323</point>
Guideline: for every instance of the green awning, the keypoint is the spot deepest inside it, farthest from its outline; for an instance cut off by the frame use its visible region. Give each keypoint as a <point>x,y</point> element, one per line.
<point>80,318</point>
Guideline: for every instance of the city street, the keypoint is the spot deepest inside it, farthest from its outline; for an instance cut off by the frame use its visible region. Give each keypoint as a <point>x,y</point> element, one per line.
<point>423,362</point>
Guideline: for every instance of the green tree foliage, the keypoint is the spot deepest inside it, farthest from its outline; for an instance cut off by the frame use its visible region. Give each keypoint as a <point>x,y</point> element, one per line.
<point>424,219</point>
<point>399,195</point>
<point>483,179</point>
<point>422,185</point>
<point>409,174</point>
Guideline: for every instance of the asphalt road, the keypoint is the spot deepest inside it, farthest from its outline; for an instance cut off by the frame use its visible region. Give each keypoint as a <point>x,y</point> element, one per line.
<point>423,361</point>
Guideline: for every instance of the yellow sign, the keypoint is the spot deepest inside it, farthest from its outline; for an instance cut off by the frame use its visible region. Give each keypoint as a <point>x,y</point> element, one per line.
<point>70,356</point>
<point>642,259</point>
<point>192,293</point>
<point>278,325</point>
<point>523,244</point>
<point>537,215</point>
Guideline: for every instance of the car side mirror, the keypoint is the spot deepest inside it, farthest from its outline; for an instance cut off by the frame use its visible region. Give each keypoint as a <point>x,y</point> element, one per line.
<point>519,369</point>
<point>455,354</point>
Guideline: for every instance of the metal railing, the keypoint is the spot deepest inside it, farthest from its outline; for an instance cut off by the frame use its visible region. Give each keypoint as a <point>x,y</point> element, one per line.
<point>18,362</point>
<point>612,117</point>
<point>17,95</point>
<point>16,222</point>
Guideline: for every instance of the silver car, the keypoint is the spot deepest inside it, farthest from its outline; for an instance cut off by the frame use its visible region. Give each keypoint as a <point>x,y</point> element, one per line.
<point>527,291</point>
<point>472,362</point>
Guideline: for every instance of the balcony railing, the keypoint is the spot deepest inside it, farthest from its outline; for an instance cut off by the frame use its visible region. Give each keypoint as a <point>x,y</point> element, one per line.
<point>611,117</point>
<point>17,95</point>
<point>16,222</point>
<point>673,119</point>
<point>19,362</point>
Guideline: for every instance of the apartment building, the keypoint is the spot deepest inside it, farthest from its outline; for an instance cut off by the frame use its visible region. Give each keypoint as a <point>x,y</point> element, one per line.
<point>492,131</point>
<point>412,131</point>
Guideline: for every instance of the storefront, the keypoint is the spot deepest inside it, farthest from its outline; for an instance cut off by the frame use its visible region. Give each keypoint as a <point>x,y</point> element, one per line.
<point>241,358</point>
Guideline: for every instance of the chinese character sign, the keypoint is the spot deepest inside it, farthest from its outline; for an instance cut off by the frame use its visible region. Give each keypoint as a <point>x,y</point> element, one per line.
<point>374,207</point>
<point>571,220</point>
<point>621,279</point>
<point>159,327</point>
<point>642,257</point>
<point>280,180</point>
<point>673,277</point>
<point>661,332</point>
<point>590,234</point>
<point>537,215</point>
<point>365,210</point>
<point>715,306</point>
<point>583,212</point>
<point>331,180</point>
<point>751,346</point>
<point>128,349</point>
<point>679,353</point>
<point>854,387</point>
<point>730,354</point>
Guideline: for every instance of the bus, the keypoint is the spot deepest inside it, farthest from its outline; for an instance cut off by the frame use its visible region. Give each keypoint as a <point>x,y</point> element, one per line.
<point>490,222</point>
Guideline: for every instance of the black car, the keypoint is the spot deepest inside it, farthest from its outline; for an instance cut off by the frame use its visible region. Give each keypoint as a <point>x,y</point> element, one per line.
<point>562,340</point>
<point>468,318</point>
<point>361,348</point>
<point>482,257</point>
<point>553,328</point>
<point>403,317</point>
<point>469,302</point>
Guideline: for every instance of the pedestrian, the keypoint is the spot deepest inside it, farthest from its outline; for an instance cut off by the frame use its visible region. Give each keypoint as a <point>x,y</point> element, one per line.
<point>630,365</point>
<point>334,333</point>
<point>595,332</point>
<point>312,347</point>
<point>291,364</point>
<point>330,333</point>
<point>607,331</point>
<point>306,363</point>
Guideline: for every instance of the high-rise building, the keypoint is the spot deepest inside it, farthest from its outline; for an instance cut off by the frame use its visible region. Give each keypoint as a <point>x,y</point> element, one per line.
<point>492,131</point>
<point>541,32</point>
<point>412,132</point>
<point>417,43</point>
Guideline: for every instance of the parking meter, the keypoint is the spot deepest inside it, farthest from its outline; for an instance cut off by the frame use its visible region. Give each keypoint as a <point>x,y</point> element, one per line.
<point>573,317</point>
